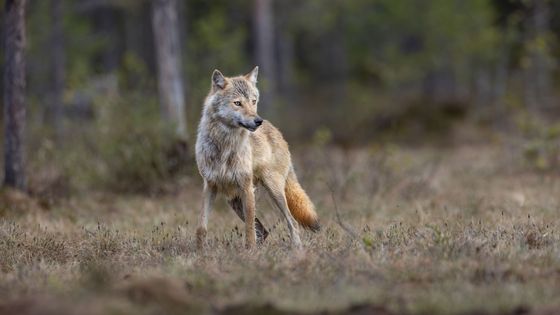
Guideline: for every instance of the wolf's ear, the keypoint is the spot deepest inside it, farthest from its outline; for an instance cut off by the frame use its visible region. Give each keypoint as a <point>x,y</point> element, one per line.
<point>218,79</point>
<point>252,76</point>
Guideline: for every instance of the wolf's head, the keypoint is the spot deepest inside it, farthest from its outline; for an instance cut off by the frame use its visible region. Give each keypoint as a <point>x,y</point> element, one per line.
<point>233,101</point>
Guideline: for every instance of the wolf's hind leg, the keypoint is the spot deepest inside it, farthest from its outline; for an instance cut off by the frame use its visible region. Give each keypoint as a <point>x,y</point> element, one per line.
<point>237,206</point>
<point>208,200</point>
<point>275,185</point>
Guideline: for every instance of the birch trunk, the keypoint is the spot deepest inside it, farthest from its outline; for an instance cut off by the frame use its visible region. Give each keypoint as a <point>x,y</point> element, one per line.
<point>14,94</point>
<point>57,67</point>
<point>168,54</point>
<point>263,22</point>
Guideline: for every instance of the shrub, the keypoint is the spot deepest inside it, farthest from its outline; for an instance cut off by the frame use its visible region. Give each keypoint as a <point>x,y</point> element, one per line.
<point>541,149</point>
<point>137,149</point>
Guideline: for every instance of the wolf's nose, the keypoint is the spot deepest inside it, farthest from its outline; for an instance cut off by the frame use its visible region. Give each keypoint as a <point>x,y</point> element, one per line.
<point>258,121</point>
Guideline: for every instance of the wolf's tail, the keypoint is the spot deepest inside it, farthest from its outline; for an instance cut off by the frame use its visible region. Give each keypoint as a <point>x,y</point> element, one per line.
<point>300,205</point>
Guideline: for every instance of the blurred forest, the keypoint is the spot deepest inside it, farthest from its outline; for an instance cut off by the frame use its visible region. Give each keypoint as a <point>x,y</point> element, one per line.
<point>332,71</point>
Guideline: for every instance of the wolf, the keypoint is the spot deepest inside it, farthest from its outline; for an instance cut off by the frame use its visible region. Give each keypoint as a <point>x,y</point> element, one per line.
<point>236,150</point>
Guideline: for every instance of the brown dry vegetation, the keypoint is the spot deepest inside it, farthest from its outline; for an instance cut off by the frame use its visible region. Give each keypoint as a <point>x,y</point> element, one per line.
<point>463,230</point>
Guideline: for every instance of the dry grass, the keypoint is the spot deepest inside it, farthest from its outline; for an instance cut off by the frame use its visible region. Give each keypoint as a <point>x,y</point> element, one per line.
<point>466,230</point>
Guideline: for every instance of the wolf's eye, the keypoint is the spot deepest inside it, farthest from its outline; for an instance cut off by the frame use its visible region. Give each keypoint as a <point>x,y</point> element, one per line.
<point>254,102</point>
<point>237,103</point>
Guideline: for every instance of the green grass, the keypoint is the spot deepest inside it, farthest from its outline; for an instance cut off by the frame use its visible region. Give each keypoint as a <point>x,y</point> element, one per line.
<point>419,231</point>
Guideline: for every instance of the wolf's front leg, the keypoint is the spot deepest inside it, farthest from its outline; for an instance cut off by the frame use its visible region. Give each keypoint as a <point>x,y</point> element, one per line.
<point>209,193</point>
<point>237,206</point>
<point>248,199</point>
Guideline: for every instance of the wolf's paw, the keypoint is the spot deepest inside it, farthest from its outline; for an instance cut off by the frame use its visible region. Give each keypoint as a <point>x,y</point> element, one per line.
<point>251,241</point>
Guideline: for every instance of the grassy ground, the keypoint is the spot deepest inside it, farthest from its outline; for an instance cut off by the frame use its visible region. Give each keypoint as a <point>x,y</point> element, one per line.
<point>464,230</point>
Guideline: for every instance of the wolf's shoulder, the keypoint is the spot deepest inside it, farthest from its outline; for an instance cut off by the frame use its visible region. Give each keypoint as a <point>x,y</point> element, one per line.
<point>268,133</point>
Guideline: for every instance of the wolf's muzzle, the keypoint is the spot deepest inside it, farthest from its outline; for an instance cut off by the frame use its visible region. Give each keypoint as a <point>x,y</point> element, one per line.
<point>251,125</point>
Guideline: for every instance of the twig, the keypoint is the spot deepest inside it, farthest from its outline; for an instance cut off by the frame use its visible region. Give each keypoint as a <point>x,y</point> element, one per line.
<point>343,225</point>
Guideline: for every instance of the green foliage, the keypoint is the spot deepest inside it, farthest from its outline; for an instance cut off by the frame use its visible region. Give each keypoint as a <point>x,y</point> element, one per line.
<point>541,149</point>
<point>138,150</point>
<point>134,74</point>
<point>215,42</point>
<point>81,45</point>
<point>401,41</point>
<point>127,149</point>
<point>322,137</point>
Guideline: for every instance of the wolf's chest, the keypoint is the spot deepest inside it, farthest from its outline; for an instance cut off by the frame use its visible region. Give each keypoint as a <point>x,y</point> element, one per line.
<point>225,166</point>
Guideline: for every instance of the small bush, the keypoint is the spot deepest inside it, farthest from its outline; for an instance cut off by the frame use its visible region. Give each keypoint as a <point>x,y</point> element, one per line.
<point>542,146</point>
<point>125,146</point>
<point>138,150</point>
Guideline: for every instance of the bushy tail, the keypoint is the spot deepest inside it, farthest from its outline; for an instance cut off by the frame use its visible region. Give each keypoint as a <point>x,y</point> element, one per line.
<point>300,205</point>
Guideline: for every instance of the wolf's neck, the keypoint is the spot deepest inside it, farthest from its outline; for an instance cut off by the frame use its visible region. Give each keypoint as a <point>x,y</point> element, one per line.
<point>225,136</point>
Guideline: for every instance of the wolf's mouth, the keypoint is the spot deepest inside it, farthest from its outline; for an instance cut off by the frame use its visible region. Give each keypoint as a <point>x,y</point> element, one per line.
<point>248,127</point>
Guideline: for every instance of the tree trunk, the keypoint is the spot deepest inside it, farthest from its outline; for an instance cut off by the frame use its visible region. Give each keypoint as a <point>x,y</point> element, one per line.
<point>2,52</point>
<point>538,72</point>
<point>482,87</point>
<point>168,53</point>
<point>501,79</point>
<point>58,67</point>
<point>107,25</point>
<point>286,57</point>
<point>542,58</point>
<point>14,94</point>
<point>264,35</point>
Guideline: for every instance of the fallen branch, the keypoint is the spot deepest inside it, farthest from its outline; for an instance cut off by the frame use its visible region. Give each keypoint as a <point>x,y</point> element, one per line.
<point>343,225</point>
